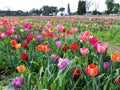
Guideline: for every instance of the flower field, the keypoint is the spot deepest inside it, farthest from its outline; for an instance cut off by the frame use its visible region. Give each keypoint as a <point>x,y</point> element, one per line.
<point>59,53</point>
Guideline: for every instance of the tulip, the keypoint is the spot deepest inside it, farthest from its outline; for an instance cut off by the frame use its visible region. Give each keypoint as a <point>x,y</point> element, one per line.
<point>17,82</point>
<point>76,72</point>
<point>16,37</point>
<point>92,70</point>
<point>106,65</point>
<point>13,43</point>
<point>115,57</point>
<point>21,68</point>
<point>8,32</point>
<point>63,63</point>
<point>117,80</point>
<point>39,37</point>
<point>84,51</point>
<point>29,37</point>
<point>93,40</point>
<point>48,25</point>
<point>36,32</point>
<point>24,45</point>
<point>74,46</point>
<point>60,27</point>
<point>24,56</point>
<point>54,58</point>
<point>18,45</point>
<point>3,35</point>
<point>74,30</point>
<point>101,48</point>
<point>58,44</point>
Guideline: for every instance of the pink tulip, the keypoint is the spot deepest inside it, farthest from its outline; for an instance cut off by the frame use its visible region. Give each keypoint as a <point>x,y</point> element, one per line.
<point>84,37</point>
<point>8,32</point>
<point>93,40</point>
<point>60,27</point>
<point>84,51</point>
<point>48,25</point>
<point>100,47</point>
<point>74,30</point>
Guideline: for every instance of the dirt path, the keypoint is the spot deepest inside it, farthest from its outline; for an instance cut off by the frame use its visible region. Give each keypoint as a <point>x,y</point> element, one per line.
<point>113,48</point>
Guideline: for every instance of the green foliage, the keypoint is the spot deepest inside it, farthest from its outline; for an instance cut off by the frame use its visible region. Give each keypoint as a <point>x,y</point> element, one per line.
<point>69,9</point>
<point>81,7</point>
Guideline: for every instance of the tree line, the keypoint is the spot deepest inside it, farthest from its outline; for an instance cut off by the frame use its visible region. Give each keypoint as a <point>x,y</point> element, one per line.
<point>83,7</point>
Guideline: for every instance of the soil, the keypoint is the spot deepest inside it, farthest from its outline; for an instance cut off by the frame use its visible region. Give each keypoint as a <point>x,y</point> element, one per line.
<point>113,48</point>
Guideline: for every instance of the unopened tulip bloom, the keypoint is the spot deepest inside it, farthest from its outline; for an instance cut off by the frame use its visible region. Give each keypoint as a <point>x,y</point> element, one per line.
<point>54,57</point>
<point>106,65</point>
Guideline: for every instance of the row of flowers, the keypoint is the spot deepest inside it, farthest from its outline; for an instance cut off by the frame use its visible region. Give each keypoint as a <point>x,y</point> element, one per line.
<point>71,60</point>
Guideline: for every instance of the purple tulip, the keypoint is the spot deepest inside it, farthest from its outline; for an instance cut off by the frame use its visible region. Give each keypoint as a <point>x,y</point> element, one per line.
<point>106,65</point>
<point>63,63</point>
<point>16,37</point>
<point>27,30</point>
<point>58,44</point>
<point>39,37</point>
<point>17,82</point>
<point>54,58</point>
<point>36,32</point>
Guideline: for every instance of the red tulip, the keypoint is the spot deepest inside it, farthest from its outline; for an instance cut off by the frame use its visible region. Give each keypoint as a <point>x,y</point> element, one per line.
<point>24,45</point>
<point>65,48</point>
<point>76,72</point>
<point>117,80</point>
<point>24,56</point>
<point>74,46</point>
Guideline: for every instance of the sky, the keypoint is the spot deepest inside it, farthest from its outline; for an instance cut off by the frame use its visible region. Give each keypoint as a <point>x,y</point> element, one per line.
<point>27,5</point>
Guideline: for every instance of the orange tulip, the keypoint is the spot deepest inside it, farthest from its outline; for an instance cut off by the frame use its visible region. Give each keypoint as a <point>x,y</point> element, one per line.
<point>92,70</point>
<point>50,29</point>
<point>115,57</point>
<point>39,47</point>
<point>45,48</point>
<point>13,43</point>
<point>21,68</point>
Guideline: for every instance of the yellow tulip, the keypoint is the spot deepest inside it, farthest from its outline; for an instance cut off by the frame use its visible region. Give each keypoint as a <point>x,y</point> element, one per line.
<point>18,45</point>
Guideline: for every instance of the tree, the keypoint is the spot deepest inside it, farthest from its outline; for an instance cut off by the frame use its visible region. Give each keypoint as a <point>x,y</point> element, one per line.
<point>110,5</point>
<point>81,7</point>
<point>89,3</point>
<point>69,9</point>
<point>62,9</point>
<point>96,5</point>
<point>116,8</point>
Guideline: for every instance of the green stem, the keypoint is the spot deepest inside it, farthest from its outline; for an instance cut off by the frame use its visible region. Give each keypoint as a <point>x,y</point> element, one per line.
<point>93,83</point>
<point>100,63</point>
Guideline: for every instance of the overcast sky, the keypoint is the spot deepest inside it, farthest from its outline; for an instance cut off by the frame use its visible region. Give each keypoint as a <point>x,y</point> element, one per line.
<point>27,5</point>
